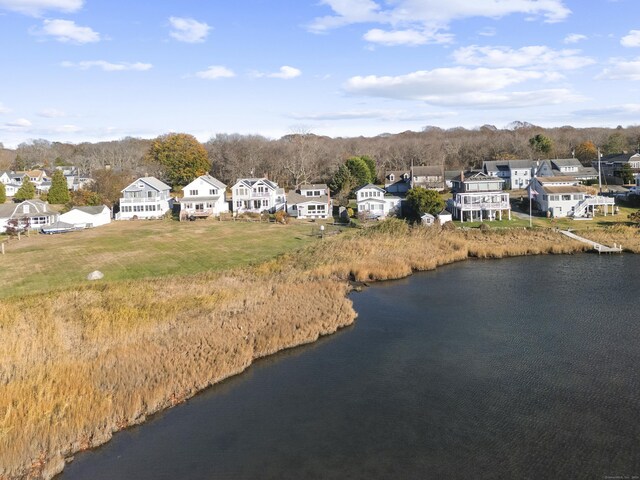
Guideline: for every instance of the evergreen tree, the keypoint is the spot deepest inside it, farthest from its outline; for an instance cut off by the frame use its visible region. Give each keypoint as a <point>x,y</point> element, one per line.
<point>359,171</point>
<point>3,193</point>
<point>342,184</point>
<point>59,192</point>
<point>27,191</point>
<point>371,164</point>
<point>421,201</point>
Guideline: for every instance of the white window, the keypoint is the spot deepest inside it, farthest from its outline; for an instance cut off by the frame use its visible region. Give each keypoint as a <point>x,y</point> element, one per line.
<point>265,203</point>
<point>392,177</point>
<point>213,191</point>
<point>193,193</point>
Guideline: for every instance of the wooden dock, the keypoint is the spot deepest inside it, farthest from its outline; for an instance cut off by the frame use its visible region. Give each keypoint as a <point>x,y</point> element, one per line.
<point>595,245</point>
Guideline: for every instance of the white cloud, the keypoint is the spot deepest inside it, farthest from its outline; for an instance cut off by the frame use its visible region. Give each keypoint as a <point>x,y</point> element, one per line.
<point>427,19</point>
<point>621,69</point>
<point>51,113</point>
<point>20,122</point>
<point>631,40</point>
<point>108,66</point>
<point>66,31</point>
<point>216,71</point>
<point>188,30</point>
<point>495,100</point>
<point>526,57</point>
<point>37,7</point>
<point>405,37</point>
<point>488,32</point>
<point>574,38</point>
<point>425,84</point>
<point>286,73</point>
<point>387,115</point>
<point>67,129</point>
<point>631,109</point>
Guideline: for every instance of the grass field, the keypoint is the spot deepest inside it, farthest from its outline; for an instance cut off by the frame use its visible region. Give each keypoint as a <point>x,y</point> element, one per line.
<point>142,249</point>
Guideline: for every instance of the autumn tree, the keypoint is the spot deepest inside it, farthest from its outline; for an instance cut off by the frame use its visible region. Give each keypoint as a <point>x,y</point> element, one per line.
<point>586,152</point>
<point>421,201</point>
<point>540,144</point>
<point>59,191</point>
<point>3,193</point>
<point>27,191</point>
<point>180,156</point>
<point>108,185</point>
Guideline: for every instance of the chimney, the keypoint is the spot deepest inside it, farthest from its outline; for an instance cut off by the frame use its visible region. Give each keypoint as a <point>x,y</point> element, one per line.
<point>462,175</point>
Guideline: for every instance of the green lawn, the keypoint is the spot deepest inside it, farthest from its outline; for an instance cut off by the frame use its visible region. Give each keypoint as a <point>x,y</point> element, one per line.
<point>142,249</point>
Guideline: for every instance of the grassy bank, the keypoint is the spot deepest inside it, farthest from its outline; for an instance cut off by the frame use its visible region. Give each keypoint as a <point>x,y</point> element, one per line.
<point>84,361</point>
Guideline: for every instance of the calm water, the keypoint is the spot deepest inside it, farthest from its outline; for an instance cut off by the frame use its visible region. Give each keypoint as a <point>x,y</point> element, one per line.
<point>518,368</point>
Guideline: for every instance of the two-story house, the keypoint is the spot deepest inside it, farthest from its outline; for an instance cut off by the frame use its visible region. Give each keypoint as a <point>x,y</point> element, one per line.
<point>401,181</point>
<point>146,198</point>
<point>516,173</point>
<point>477,197</point>
<point>310,201</point>
<point>204,197</point>
<point>257,195</point>
<point>563,196</point>
<point>31,214</point>
<point>373,202</point>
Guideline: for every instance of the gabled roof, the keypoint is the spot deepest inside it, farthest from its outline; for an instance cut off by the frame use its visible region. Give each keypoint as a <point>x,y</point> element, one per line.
<point>212,181</point>
<point>314,186</point>
<point>92,210</point>
<point>250,182</point>
<point>418,171</point>
<point>369,186</point>
<point>564,189</point>
<point>153,182</point>
<point>477,176</point>
<point>294,198</point>
<point>557,179</point>
<point>566,162</point>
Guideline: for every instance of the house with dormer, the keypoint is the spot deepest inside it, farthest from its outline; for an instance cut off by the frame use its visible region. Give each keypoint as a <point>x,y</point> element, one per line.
<point>257,195</point>
<point>310,202</point>
<point>204,197</point>
<point>401,181</point>
<point>564,196</point>
<point>30,214</point>
<point>146,198</point>
<point>373,202</point>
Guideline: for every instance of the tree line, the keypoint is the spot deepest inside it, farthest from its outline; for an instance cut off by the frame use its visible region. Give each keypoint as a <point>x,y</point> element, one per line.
<point>305,157</point>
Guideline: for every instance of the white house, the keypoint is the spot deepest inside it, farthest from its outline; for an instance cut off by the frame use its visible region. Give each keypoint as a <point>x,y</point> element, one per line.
<point>257,195</point>
<point>87,217</point>
<point>310,201</point>
<point>11,185</point>
<point>515,173</point>
<point>204,197</point>
<point>444,216</point>
<point>32,214</point>
<point>478,196</point>
<point>427,220</point>
<point>564,197</point>
<point>146,198</point>
<point>374,203</point>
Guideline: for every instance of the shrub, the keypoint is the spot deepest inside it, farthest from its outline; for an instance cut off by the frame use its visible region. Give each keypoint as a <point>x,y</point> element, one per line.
<point>281,217</point>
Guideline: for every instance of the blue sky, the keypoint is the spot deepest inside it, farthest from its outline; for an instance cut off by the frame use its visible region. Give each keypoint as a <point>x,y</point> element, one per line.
<point>90,70</point>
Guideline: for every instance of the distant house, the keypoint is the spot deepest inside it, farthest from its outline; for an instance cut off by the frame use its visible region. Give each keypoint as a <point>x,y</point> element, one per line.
<point>401,181</point>
<point>566,167</point>
<point>613,165</point>
<point>516,173</point>
<point>310,201</point>
<point>444,216</point>
<point>564,197</point>
<point>146,198</point>
<point>11,185</point>
<point>374,203</point>
<point>87,217</point>
<point>32,214</point>
<point>204,197</point>
<point>478,197</point>
<point>257,195</point>
<point>427,220</point>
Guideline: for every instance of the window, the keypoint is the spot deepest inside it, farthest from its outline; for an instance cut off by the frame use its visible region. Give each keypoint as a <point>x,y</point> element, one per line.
<point>566,197</point>
<point>392,177</point>
<point>213,191</point>
<point>321,208</point>
<point>311,208</point>
<point>265,203</point>
<point>150,194</point>
<point>193,193</point>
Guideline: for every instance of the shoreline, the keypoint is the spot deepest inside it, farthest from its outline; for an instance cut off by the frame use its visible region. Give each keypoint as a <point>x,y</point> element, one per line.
<point>216,333</point>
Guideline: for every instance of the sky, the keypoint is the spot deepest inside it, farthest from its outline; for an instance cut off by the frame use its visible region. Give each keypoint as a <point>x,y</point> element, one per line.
<point>93,70</point>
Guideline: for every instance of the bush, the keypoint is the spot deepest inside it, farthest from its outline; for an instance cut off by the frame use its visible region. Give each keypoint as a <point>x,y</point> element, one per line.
<point>392,226</point>
<point>281,217</point>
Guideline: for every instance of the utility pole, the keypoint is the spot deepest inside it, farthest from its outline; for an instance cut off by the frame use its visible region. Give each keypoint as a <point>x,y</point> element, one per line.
<point>599,173</point>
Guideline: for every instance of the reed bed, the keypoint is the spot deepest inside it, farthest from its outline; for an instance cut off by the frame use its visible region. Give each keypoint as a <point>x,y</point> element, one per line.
<point>79,364</point>
<point>627,236</point>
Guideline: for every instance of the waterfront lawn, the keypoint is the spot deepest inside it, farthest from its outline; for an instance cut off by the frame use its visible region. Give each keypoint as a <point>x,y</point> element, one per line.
<point>142,249</point>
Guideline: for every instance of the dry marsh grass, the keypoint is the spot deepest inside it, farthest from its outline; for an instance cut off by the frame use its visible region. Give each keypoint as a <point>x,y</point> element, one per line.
<point>78,364</point>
